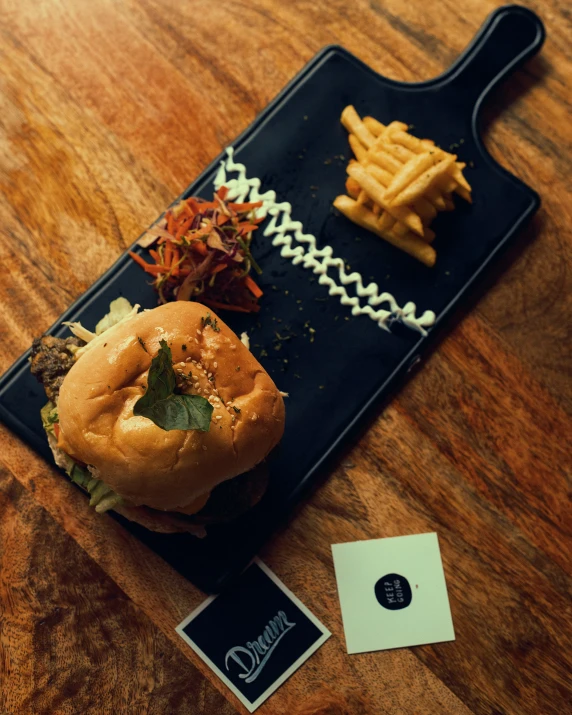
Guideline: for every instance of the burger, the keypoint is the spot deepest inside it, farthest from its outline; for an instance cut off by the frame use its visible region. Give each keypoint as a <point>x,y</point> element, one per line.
<point>163,416</point>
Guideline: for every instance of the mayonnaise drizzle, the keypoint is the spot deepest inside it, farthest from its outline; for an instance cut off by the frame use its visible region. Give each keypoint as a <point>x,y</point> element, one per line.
<point>319,260</point>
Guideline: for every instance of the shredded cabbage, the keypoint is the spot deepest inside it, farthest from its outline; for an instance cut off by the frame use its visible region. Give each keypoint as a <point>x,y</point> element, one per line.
<point>80,332</point>
<point>102,497</point>
<point>120,312</point>
<point>118,309</point>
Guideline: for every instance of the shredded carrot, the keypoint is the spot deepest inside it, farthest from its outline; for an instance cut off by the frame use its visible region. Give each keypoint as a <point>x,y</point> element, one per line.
<point>183,251</point>
<point>200,232</point>
<point>168,254</point>
<point>183,228</point>
<point>175,266</point>
<point>186,211</point>
<point>199,247</point>
<point>157,270</point>
<point>204,205</point>
<point>170,222</point>
<point>137,258</point>
<point>148,267</point>
<point>252,287</point>
<point>193,205</point>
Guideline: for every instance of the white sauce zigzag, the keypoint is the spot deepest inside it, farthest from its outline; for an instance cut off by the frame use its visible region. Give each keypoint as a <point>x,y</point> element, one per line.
<point>319,260</point>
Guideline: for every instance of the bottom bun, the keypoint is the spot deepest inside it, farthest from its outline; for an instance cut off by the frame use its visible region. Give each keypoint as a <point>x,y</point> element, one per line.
<point>227,501</point>
<point>163,522</point>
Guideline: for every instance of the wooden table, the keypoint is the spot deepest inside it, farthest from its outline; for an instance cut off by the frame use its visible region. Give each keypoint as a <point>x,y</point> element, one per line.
<point>108,110</point>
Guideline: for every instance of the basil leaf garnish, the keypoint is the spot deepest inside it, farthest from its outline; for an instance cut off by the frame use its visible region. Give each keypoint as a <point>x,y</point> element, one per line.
<point>161,380</point>
<point>163,406</point>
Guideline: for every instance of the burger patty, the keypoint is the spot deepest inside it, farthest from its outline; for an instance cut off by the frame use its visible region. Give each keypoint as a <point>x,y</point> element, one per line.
<point>227,501</point>
<point>51,360</point>
<point>230,499</point>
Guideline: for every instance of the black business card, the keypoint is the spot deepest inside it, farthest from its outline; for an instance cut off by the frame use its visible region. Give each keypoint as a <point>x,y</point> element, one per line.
<point>254,635</point>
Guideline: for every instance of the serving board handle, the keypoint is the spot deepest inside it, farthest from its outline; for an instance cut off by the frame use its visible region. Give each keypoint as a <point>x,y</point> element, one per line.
<point>508,37</point>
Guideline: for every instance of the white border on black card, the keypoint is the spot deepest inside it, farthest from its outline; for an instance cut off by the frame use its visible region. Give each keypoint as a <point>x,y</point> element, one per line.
<point>251,707</point>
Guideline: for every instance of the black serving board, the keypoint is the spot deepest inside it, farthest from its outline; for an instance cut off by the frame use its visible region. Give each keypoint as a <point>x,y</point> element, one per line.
<point>340,377</point>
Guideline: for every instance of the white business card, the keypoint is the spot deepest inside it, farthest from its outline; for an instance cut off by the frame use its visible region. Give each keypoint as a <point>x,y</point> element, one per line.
<point>254,635</point>
<point>392,593</point>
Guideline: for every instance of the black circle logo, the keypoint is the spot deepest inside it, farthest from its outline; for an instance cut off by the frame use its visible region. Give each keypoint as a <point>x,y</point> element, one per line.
<point>393,592</point>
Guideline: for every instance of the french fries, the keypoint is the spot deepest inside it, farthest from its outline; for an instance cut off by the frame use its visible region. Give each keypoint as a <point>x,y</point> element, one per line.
<point>375,192</point>
<point>415,188</point>
<point>397,183</point>
<point>357,147</point>
<point>408,242</point>
<point>352,122</point>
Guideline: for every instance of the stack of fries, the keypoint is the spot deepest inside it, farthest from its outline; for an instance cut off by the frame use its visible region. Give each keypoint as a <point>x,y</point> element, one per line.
<point>397,183</point>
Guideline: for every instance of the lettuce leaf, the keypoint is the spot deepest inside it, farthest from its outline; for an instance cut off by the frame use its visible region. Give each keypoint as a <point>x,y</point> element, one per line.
<point>49,415</point>
<point>102,497</point>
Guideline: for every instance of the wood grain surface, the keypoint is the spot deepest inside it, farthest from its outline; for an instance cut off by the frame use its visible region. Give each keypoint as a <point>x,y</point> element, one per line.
<point>108,109</point>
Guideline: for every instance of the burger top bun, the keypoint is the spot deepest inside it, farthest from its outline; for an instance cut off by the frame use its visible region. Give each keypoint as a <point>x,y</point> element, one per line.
<point>146,465</point>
